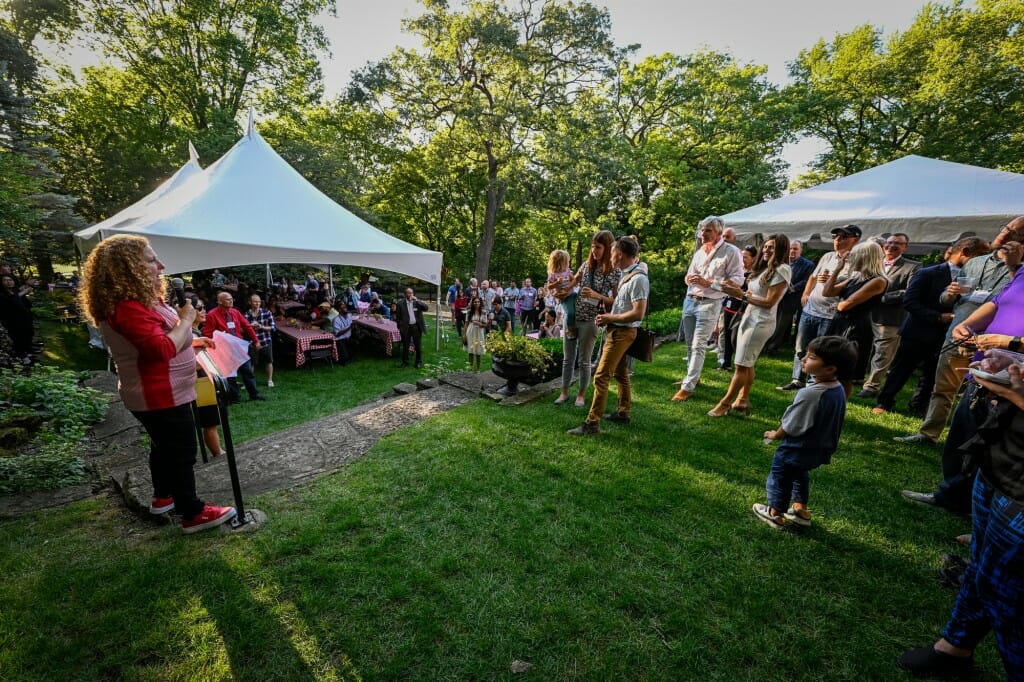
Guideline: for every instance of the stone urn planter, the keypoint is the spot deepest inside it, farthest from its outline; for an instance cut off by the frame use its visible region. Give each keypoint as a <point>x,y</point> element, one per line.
<point>516,359</point>
<point>514,372</point>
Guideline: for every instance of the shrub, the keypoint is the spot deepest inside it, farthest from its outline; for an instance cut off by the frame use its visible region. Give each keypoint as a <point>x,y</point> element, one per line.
<point>518,349</point>
<point>57,396</point>
<point>665,322</point>
<point>51,459</point>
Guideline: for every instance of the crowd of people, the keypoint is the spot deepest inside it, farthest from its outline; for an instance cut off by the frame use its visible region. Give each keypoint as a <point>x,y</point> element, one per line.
<point>866,315</point>
<point>863,314</point>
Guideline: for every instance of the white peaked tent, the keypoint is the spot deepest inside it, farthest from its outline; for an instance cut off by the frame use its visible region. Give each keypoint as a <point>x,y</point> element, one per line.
<point>89,237</point>
<point>932,201</point>
<point>252,207</point>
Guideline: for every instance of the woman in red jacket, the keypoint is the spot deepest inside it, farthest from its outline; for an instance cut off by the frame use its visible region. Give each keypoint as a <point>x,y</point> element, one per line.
<point>123,294</point>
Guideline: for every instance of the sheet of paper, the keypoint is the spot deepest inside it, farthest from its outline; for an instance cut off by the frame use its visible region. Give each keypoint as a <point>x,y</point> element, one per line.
<point>229,353</point>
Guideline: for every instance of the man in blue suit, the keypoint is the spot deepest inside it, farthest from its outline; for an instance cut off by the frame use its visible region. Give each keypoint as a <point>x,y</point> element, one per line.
<point>924,329</point>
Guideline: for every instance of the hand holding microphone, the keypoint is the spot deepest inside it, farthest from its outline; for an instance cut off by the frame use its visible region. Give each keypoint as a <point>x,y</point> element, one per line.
<point>178,286</point>
<point>185,310</point>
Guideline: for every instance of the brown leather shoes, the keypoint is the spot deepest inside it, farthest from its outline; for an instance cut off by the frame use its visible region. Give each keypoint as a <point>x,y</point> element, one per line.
<point>682,396</point>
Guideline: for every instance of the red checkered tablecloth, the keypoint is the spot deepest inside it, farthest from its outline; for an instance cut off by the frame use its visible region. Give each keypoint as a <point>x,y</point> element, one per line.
<point>303,338</point>
<point>386,329</point>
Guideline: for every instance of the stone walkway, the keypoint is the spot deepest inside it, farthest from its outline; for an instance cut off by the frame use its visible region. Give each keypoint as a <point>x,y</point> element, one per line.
<point>279,460</point>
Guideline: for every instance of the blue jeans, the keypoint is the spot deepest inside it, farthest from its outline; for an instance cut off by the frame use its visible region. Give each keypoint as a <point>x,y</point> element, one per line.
<point>788,481</point>
<point>992,593</point>
<point>810,328</point>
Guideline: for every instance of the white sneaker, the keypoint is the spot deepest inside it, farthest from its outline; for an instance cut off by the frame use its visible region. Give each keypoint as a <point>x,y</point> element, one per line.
<point>270,384</point>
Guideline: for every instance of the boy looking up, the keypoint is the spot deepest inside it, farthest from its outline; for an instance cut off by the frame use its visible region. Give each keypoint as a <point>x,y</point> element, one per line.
<point>809,431</point>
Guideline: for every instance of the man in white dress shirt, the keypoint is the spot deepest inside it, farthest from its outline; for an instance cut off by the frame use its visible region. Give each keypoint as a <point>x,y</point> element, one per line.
<point>714,262</point>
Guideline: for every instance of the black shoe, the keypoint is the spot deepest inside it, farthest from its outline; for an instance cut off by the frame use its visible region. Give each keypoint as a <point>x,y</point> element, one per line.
<point>585,429</point>
<point>257,397</point>
<point>927,662</point>
<point>867,393</point>
<point>403,364</point>
<point>794,385</point>
<point>618,417</point>
<point>419,365</point>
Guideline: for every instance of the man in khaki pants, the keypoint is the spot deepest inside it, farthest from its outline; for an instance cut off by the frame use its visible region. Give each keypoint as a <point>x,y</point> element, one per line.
<point>626,315</point>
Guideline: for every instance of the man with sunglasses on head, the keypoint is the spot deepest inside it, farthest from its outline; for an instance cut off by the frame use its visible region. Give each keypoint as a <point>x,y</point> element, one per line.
<point>994,310</point>
<point>818,309</point>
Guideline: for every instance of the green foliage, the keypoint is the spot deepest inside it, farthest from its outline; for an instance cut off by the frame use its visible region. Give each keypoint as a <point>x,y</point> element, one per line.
<point>55,465</point>
<point>117,142</point>
<point>53,458</point>
<point>206,59</point>
<point>947,87</point>
<point>516,348</point>
<point>665,322</point>
<point>57,395</point>
<point>486,82</point>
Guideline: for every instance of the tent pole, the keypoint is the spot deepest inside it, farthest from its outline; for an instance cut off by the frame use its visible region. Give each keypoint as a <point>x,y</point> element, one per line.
<point>330,279</point>
<point>437,321</point>
<point>270,281</point>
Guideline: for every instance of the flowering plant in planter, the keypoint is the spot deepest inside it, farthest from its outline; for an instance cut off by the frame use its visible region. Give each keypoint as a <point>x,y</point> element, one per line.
<point>513,348</point>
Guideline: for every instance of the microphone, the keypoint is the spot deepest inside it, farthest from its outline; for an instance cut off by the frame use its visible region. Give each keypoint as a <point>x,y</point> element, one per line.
<point>178,285</point>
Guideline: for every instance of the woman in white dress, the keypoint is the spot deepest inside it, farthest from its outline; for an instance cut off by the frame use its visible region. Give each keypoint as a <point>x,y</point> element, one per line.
<point>476,331</point>
<point>766,286</point>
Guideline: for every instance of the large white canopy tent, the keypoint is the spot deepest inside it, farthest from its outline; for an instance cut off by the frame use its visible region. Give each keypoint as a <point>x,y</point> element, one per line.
<point>251,207</point>
<point>931,201</point>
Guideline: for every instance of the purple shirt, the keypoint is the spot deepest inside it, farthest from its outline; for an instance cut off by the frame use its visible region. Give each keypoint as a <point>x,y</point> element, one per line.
<point>1009,317</point>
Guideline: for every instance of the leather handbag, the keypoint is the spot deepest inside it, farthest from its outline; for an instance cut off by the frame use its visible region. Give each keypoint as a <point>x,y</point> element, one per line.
<point>642,347</point>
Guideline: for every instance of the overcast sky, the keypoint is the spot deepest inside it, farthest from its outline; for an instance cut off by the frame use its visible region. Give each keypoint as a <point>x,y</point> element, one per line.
<point>755,31</point>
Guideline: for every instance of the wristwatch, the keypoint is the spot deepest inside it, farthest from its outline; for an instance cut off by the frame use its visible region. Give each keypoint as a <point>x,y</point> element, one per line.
<point>1015,344</point>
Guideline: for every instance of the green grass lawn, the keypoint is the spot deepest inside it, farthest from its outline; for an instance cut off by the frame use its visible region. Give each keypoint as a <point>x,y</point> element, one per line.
<point>487,535</point>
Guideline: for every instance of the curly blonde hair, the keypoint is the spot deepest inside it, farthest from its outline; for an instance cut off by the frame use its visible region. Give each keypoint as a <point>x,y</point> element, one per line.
<point>116,271</point>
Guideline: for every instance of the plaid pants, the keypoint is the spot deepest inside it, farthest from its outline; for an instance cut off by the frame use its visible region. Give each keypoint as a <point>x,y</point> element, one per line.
<point>992,594</point>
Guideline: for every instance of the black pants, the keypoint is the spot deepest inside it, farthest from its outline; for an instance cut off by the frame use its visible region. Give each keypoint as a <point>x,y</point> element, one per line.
<point>786,317</point>
<point>913,353</point>
<point>730,329</point>
<point>248,378</point>
<point>411,334</point>
<point>529,320</point>
<point>172,454</point>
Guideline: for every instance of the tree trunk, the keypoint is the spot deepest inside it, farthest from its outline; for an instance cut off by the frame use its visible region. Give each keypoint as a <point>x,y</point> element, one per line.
<point>44,266</point>
<point>495,198</point>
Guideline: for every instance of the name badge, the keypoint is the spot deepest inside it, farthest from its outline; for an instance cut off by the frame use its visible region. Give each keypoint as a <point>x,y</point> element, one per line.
<point>979,296</point>
<point>231,326</point>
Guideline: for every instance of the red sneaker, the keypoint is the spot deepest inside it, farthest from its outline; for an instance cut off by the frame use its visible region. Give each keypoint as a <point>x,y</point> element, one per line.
<point>208,518</point>
<point>161,505</point>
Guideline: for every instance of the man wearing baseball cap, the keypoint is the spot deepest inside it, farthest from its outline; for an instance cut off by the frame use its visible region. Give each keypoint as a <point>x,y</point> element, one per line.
<point>818,309</point>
